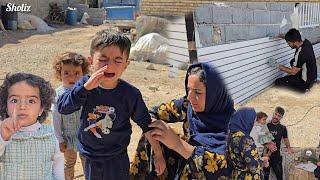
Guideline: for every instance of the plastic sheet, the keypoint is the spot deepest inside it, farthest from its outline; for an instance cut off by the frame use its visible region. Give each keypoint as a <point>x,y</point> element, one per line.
<point>150,24</point>
<point>150,47</point>
<point>35,21</point>
<point>84,18</point>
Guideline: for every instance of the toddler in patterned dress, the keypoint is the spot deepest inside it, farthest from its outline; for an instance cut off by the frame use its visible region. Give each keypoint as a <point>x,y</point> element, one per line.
<point>28,147</point>
<point>264,135</point>
<point>69,67</point>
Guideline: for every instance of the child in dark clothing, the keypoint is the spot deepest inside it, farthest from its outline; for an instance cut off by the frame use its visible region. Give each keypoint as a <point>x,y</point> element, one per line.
<point>317,170</point>
<point>108,103</point>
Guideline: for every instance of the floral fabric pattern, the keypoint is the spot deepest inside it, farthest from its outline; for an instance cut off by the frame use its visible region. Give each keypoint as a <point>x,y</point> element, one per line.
<point>244,157</point>
<point>201,165</point>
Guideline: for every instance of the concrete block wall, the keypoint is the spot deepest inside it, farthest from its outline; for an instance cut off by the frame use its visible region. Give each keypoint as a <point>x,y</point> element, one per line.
<point>242,16</point>
<point>313,34</point>
<point>180,7</point>
<point>169,7</point>
<point>257,5</point>
<point>245,21</point>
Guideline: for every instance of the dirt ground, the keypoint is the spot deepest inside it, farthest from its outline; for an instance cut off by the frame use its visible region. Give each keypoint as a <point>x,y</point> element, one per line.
<point>31,52</point>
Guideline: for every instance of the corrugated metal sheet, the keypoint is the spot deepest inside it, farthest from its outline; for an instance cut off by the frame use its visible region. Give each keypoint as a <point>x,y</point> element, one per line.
<point>178,54</point>
<point>244,67</point>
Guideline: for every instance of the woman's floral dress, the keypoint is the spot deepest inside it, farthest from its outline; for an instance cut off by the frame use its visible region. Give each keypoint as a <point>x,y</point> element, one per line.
<point>201,165</point>
<point>244,157</point>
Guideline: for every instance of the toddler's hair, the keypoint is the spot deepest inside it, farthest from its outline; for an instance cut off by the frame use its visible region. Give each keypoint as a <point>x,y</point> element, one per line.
<point>69,58</point>
<point>106,38</point>
<point>47,93</point>
<point>261,115</point>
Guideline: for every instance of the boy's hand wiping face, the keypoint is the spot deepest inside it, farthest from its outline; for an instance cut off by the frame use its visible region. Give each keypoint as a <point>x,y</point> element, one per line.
<point>96,78</point>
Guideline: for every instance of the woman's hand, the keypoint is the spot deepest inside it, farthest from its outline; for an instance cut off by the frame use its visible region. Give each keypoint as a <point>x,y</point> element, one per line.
<point>289,150</point>
<point>159,163</point>
<point>265,160</point>
<point>63,147</point>
<point>163,133</point>
<point>271,146</point>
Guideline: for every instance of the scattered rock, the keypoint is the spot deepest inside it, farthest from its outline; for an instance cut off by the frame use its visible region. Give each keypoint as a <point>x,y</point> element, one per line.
<point>145,98</point>
<point>153,88</point>
<point>150,67</point>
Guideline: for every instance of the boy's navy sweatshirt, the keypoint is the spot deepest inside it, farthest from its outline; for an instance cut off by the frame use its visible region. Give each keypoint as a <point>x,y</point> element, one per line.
<point>124,99</point>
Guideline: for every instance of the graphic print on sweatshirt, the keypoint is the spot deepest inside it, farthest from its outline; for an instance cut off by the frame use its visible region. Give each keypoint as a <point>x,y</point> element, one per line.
<point>102,117</point>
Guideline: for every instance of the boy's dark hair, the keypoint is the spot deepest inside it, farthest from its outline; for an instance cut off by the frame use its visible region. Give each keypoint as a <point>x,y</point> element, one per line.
<point>261,115</point>
<point>47,93</point>
<point>106,38</point>
<point>280,110</point>
<point>69,58</point>
<point>293,35</point>
<point>198,71</point>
